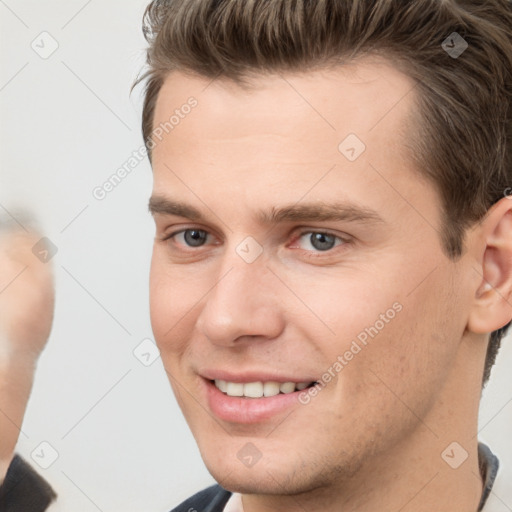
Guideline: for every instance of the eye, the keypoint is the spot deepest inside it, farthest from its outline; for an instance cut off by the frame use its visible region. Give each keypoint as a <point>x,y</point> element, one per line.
<point>189,237</point>
<point>311,241</point>
<point>319,241</point>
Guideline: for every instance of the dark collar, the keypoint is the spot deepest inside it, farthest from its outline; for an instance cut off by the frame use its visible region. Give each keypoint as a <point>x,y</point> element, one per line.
<point>488,464</point>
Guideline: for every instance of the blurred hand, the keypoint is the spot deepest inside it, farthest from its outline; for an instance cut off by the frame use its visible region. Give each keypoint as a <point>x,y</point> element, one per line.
<point>26,312</point>
<point>26,296</point>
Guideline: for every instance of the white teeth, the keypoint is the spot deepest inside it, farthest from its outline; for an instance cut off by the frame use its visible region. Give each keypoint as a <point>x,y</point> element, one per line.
<point>287,387</point>
<point>253,389</point>
<point>271,388</point>
<point>221,384</point>
<point>259,389</point>
<point>235,389</point>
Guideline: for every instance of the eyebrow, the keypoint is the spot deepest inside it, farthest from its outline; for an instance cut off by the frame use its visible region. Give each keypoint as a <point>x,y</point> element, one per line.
<point>316,211</point>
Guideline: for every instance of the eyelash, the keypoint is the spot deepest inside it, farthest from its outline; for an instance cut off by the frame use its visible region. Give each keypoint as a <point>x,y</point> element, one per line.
<point>313,254</point>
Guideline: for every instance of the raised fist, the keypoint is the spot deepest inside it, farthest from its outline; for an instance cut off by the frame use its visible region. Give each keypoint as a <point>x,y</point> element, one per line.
<point>26,312</point>
<point>26,295</point>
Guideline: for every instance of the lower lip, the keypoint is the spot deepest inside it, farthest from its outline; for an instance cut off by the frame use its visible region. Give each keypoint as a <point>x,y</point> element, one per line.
<point>248,410</point>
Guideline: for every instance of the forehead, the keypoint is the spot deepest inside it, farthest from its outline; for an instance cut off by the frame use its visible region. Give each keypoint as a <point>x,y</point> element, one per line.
<point>280,137</point>
<point>363,91</point>
<point>313,110</point>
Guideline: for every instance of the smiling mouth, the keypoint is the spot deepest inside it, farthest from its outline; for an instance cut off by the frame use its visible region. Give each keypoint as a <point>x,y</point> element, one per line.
<point>259,389</point>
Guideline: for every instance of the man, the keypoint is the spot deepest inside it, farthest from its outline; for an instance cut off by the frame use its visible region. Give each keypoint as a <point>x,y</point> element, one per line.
<point>333,246</point>
<point>332,267</point>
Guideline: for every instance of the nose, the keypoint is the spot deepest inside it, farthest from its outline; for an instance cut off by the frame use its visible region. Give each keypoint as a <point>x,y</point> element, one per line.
<point>243,303</point>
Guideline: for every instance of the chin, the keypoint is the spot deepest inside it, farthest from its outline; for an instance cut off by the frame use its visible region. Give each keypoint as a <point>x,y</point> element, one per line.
<point>283,481</point>
<point>275,475</point>
<point>257,480</point>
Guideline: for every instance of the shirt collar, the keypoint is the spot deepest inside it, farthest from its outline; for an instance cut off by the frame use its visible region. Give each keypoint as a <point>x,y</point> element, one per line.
<point>488,464</point>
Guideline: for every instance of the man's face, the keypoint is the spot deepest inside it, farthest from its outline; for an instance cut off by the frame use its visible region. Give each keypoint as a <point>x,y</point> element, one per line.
<point>263,288</point>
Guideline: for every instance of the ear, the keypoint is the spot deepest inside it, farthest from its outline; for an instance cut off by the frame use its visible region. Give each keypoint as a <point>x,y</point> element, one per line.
<point>492,306</point>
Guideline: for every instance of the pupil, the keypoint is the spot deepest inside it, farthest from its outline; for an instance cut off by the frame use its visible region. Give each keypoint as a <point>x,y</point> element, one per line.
<point>195,237</point>
<point>322,241</point>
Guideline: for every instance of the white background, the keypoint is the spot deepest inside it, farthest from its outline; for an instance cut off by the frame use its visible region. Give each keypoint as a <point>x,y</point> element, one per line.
<point>67,124</point>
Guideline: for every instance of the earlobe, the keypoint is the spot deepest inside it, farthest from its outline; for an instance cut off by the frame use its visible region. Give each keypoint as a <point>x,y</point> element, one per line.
<point>492,306</point>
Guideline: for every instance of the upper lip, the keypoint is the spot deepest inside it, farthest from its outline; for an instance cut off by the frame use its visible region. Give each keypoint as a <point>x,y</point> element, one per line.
<point>251,376</point>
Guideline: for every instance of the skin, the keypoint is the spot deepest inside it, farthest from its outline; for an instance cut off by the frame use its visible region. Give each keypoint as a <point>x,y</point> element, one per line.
<point>372,438</point>
<point>26,312</point>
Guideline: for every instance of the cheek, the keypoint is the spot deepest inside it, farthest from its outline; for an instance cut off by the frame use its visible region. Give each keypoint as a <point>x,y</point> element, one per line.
<point>171,305</point>
<point>157,299</point>
<point>349,310</point>
<point>411,357</point>
<point>379,328</point>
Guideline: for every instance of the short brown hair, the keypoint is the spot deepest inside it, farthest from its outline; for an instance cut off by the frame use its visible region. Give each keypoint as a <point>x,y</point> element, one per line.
<point>464,141</point>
